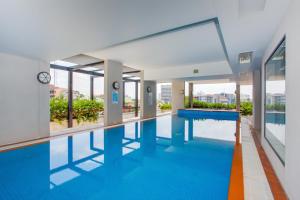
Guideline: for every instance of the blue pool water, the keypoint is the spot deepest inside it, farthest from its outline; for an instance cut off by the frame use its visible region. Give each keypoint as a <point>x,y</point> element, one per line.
<point>169,157</point>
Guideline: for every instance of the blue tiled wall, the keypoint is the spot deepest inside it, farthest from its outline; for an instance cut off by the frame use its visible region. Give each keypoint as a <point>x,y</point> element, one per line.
<point>219,115</point>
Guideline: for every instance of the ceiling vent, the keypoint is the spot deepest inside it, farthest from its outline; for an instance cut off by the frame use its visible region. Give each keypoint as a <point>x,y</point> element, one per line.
<point>245,58</point>
<point>250,7</point>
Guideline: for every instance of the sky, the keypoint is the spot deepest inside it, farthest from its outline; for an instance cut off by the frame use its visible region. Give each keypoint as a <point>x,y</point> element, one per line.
<point>276,86</point>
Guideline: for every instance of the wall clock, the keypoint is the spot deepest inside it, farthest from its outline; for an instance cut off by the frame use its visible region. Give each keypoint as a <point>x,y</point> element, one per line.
<point>116,85</point>
<point>148,89</point>
<point>44,77</point>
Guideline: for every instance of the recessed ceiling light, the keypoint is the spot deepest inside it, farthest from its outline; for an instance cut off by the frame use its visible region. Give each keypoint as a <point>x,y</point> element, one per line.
<point>195,71</point>
<point>245,58</point>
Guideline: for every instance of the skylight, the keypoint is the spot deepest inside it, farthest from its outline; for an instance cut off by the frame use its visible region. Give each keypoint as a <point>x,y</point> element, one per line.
<point>90,69</point>
<point>126,75</point>
<point>135,78</point>
<point>63,63</point>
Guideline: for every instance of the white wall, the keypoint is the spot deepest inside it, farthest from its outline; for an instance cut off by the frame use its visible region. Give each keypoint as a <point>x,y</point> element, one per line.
<point>289,174</point>
<point>24,102</point>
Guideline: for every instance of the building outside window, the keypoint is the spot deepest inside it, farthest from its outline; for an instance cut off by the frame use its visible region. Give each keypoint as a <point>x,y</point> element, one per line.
<point>86,105</point>
<point>164,97</point>
<point>166,93</point>
<point>129,104</point>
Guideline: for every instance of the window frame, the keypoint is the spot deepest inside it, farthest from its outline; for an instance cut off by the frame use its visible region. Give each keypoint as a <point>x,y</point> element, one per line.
<point>93,75</point>
<point>283,40</point>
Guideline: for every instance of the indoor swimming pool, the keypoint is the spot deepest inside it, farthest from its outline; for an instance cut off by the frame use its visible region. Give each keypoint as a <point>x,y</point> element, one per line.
<point>169,157</point>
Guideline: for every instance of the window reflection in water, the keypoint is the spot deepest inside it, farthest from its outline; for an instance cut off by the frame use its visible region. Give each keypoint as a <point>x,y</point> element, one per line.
<point>108,155</point>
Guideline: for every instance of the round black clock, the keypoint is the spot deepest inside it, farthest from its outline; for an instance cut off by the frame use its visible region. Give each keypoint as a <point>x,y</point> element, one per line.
<point>116,85</point>
<point>44,77</point>
<point>148,89</point>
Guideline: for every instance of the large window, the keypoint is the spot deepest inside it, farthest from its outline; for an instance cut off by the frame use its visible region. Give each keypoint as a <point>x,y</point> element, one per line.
<point>99,88</point>
<point>129,104</point>
<point>275,101</point>
<point>58,99</point>
<point>164,97</point>
<point>77,95</point>
<point>81,86</point>
<point>81,107</point>
<point>98,95</point>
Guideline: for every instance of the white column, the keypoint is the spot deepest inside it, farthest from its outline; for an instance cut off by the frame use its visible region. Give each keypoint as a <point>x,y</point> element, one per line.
<point>257,100</point>
<point>177,95</point>
<point>112,106</point>
<point>148,98</point>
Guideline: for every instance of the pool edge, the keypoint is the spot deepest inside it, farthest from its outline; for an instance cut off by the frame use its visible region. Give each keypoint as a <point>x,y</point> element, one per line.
<point>236,184</point>
<point>27,143</point>
<point>276,187</point>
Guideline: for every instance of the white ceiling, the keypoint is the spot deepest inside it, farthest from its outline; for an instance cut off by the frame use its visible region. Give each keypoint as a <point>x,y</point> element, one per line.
<point>191,46</point>
<point>57,29</point>
<point>82,59</point>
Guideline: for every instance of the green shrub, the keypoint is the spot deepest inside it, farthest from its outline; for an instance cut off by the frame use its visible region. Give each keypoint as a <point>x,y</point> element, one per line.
<point>165,106</point>
<point>86,110</point>
<point>186,102</point>
<point>83,109</point>
<point>277,107</point>
<point>231,106</point>
<point>246,108</point>
<point>58,109</point>
<point>202,104</point>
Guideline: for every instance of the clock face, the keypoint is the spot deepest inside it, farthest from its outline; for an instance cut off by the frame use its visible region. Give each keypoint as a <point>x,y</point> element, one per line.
<point>44,77</point>
<point>116,85</point>
<point>148,89</point>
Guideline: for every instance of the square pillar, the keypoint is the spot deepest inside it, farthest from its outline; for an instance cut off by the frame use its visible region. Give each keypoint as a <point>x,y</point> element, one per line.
<point>257,103</point>
<point>148,98</point>
<point>113,98</point>
<point>177,95</point>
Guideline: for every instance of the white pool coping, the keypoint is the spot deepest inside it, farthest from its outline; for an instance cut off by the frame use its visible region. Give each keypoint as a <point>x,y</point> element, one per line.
<point>256,186</point>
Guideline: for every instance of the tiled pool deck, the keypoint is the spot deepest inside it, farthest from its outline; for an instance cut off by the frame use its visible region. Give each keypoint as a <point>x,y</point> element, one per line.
<point>256,185</point>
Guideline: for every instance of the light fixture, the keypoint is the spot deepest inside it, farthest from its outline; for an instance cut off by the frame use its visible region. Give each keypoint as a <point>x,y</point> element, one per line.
<point>245,58</point>
<point>196,71</point>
